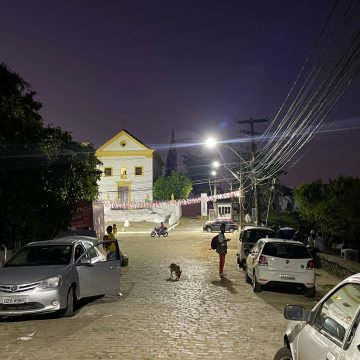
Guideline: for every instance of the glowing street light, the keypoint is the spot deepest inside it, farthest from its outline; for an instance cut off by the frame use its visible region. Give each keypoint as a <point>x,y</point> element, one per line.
<point>211,142</point>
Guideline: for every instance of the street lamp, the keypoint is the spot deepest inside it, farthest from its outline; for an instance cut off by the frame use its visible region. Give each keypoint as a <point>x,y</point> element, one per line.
<point>211,143</point>
<point>214,173</point>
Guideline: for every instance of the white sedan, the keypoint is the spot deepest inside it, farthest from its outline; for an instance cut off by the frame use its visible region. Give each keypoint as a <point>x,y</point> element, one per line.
<point>49,276</point>
<point>329,331</point>
<point>279,261</point>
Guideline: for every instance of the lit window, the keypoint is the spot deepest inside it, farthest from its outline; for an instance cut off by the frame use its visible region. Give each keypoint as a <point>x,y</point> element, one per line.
<point>138,170</point>
<point>108,171</point>
<point>123,173</point>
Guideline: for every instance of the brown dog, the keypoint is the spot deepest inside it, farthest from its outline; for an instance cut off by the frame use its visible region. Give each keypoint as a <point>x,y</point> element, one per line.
<point>175,269</point>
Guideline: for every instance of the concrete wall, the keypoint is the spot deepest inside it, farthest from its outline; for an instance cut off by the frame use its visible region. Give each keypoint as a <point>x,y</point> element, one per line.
<point>168,213</point>
<point>338,266</point>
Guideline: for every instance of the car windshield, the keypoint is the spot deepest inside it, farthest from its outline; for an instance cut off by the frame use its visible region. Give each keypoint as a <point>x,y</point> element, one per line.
<point>252,236</point>
<point>286,234</point>
<point>41,255</point>
<point>286,251</point>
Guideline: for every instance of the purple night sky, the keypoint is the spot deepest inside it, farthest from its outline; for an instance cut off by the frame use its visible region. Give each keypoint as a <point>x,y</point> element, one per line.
<point>191,65</point>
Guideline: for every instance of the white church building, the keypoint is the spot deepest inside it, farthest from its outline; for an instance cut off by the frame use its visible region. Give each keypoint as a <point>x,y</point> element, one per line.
<point>129,169</point>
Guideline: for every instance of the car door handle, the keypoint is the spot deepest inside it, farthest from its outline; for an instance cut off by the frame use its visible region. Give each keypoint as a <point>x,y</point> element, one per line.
<point>330,356</point>
<point>114,267</point>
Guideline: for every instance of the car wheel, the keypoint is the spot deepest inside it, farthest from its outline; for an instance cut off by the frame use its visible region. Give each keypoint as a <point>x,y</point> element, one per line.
<point>208,229</point>
<point>69,311</point>
<point>247,277</point>
<point>231,230</point>
<point>283,354</point>
<point>310,293</point>
<point>256,286</point>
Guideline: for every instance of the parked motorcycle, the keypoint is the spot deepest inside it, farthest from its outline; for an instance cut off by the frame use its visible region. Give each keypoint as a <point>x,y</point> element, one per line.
<point>159,231</point>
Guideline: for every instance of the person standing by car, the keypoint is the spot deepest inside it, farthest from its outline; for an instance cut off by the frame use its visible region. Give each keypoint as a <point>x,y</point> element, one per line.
<point>300,235</point>
<point>311,239</point>
<point>319,243</point>
<point>111,248</point>
<point>222,249</point>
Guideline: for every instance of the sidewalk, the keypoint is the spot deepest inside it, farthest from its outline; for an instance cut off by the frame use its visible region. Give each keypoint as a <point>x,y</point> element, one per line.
<point>325,281</point>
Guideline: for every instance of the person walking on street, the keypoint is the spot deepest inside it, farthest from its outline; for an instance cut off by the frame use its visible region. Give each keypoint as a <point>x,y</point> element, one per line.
<point>222,249</point>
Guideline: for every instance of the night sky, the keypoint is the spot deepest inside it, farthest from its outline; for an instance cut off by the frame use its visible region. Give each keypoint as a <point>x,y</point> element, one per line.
<point>191,65</point>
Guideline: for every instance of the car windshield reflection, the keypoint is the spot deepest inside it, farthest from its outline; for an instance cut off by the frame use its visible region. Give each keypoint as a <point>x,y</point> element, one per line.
<point>41,255</point>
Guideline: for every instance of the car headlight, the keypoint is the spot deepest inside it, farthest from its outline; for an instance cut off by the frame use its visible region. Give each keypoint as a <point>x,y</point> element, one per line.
<point>50,282</point>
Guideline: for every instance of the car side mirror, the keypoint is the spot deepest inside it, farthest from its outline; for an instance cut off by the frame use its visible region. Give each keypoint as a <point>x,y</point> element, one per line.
<point>246,252</point>
<point>295,312</point>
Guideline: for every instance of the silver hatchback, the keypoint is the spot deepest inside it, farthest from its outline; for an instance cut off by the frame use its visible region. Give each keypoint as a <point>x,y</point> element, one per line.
<point>49,276</point>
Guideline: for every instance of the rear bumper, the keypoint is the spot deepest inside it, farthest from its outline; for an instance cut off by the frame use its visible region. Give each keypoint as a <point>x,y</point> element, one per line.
<point>276,278</point>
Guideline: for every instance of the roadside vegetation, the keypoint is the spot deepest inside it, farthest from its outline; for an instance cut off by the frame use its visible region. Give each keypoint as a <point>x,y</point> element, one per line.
<point>333,208</point>
<point>43,172</point>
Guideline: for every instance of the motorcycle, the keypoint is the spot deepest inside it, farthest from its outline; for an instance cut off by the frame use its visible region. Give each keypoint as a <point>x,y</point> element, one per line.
<point>159,231</point>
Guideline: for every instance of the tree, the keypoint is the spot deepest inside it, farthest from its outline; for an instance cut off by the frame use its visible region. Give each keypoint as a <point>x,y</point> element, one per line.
<point>332,207</point>
<point>171,160</point>
<point>176,184</point>
<point>43,173</point>
<point>198,168</point>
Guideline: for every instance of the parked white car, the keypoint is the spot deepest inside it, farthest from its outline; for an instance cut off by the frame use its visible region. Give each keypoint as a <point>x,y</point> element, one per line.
<point>330,331</point>
<point>247,239</point>
<point>279,261</point>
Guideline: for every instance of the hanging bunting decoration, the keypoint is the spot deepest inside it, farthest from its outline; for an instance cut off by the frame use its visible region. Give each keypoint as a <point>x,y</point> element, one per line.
<point>117,205</point>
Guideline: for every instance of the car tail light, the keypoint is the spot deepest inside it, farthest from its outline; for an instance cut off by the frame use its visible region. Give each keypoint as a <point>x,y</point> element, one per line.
<point>263,260</point>
<point>310,265</point>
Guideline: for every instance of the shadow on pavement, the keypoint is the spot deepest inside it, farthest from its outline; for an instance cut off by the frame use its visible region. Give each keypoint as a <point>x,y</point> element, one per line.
<point>226,283</point>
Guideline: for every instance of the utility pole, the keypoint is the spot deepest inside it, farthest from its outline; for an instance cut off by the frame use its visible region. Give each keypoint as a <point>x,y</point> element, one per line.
<point>241,209</point>
<point>252,133</point>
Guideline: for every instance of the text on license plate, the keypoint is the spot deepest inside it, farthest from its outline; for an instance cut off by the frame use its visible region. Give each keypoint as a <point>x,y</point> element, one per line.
<point>13,299</point>
<point>287,277</point>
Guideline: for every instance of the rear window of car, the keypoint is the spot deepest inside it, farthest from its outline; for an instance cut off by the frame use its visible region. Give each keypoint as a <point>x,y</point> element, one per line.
<point>286,251</point>
<point>252,236</point>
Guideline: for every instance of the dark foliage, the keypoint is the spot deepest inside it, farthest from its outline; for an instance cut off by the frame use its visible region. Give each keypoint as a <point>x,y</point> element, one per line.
<point>43,173</point>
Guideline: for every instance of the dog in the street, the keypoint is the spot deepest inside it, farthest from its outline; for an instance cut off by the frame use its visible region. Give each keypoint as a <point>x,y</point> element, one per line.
<point>175,269</point>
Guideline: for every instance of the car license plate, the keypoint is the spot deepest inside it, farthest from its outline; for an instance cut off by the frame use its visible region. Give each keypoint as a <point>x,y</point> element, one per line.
<point>287,277</point>
<point>13,299</point>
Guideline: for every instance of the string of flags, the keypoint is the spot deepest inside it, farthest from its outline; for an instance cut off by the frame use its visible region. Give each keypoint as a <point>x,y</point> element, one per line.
<point>115,204</point>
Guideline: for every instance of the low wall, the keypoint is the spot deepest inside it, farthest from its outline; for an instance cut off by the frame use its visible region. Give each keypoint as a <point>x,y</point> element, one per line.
<point>169,214</point>
<point>337,265</point>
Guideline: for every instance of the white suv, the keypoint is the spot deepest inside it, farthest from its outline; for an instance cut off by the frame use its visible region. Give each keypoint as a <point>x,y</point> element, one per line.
<point>279,261</point>
<point>331,330</point>
<point>248,237</point>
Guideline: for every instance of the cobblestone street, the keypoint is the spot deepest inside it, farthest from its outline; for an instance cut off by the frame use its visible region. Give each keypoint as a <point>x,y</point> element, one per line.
<point>198,317</point>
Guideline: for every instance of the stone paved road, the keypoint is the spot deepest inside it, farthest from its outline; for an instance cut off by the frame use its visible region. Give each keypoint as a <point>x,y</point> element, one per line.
<point>198,317</point>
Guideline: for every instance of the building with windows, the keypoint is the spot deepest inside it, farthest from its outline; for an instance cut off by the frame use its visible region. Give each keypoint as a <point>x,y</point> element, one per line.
<point>129,169</point>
